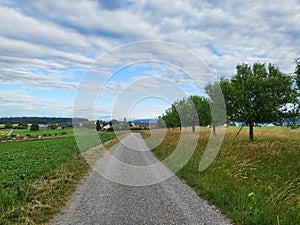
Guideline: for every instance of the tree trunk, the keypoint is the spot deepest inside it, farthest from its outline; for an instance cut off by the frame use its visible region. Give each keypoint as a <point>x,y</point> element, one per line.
<point>214,129</point>
<point>251,131</point>
<point>193,129</point>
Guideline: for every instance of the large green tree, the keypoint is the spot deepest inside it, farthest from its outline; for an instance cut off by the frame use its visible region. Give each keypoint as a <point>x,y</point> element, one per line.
<point>187,112</point>
<point>216,104</point>
<point>203,110</point>
<point>171,117</point>
<point>259,94</point>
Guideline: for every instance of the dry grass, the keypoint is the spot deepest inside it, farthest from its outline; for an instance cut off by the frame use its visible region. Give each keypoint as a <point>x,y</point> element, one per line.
<point>251,182</point>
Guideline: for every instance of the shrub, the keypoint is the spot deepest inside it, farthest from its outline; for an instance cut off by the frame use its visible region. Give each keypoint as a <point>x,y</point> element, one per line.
<point>8,126</point>
<point>34,127</point>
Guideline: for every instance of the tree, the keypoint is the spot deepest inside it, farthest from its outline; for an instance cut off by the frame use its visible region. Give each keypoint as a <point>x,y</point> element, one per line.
<point>160,122</point>
<point>182,113</point>
<point>98,126</point>
<point>34,127</point>
<point>216,104</point>
<point>295,109</point>
<point>259,94</point>
<point>171,118</point>
<point>23,125</point>
<point>297,74</point>
<point>8,126</point>
<point>202,106</point>
<point>52,126</point>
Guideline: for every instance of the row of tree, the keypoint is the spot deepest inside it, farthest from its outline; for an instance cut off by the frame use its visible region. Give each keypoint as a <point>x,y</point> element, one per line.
<point>33,126</point>
<point>255,94</point>
<point>40,120</point>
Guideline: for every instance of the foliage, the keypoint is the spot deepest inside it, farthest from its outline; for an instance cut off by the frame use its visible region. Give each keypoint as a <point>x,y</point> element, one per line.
<point>22,125</point>
<point>203,110</point>
<point>171,118</point>
<point>52,126</point>
<point>110,129</point>
<point>98,126</point>
<point>8,126</point>
<point>34,127</point>
<point>297,73</point>
<point>250,182</point>
<point>139,128</point>
<point>39,120</point>
<point>217,105</point>
<point>259,95</point>
<point>187,112</point>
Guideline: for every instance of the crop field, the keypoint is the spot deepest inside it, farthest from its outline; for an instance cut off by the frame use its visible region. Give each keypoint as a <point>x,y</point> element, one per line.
<point>37,176</point>
<point>250,182</point>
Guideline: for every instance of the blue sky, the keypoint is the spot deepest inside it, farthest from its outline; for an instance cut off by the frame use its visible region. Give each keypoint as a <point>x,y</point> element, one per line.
<point>48,47</point>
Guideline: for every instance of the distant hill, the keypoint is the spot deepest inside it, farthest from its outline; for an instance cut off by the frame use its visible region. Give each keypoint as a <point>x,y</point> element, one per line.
<point>39,120</point>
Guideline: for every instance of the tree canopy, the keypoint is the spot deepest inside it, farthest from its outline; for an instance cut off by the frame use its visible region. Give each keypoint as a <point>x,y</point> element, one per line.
<point>34,127</point>
<point>259,94</point>
<point>187,112</point>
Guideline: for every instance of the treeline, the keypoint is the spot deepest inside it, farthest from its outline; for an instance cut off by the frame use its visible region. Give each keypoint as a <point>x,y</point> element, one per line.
<point>255,94</point>
<point>38,120</point>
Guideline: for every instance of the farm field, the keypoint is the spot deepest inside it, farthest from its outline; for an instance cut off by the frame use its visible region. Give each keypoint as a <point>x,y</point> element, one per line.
<point>250,182</point>
<point>21,132</point>
<point>38,175</point>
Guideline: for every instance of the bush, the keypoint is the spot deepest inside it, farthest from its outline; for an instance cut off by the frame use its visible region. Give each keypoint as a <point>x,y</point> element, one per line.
<point>34,127</point>
<point>110,129</point>
<point>8,126</point>
<point>22,126</point>
<point>139,128</point>
<point>52,126</point>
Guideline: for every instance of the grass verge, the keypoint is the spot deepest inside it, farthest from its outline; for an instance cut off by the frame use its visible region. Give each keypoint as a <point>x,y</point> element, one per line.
<point>250,182</point>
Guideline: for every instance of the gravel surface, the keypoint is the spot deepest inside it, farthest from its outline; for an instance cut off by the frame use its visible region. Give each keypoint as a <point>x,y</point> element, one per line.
<point>99,200</point>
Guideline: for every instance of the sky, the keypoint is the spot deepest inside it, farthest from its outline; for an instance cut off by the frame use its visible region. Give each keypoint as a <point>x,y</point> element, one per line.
<point>116,59</point>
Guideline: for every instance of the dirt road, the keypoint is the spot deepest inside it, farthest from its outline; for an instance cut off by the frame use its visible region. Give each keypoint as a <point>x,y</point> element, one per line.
<point>99,200</point>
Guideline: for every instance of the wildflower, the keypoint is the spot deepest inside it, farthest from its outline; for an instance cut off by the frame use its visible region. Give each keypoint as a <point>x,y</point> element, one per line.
<point>250,194</point>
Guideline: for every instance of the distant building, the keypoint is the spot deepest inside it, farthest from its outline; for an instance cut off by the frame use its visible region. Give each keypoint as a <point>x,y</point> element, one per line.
<point>64,125</point>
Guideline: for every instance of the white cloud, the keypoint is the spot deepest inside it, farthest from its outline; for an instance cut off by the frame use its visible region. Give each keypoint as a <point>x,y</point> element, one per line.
<point>45,43</point>
<point>9,76</point>
<point>20,103</point>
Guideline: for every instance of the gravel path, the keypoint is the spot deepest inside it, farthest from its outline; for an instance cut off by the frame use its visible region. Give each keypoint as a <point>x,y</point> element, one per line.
<point>101,201</point>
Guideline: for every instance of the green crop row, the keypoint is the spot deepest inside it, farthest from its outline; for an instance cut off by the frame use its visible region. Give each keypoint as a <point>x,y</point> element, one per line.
<point>25,163</point>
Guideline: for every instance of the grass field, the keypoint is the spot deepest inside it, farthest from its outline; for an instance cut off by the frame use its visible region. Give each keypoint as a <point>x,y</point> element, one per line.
<point>37,176</point>
<point>24,132</point>
<point>250,182</point>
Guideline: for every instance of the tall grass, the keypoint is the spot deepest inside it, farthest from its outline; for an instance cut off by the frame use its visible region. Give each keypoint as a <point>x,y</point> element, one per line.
<point>251,183</point>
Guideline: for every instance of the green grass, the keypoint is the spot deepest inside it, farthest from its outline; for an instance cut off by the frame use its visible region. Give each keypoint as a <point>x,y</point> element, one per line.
<point>251,183</point>
<point>24,132</point>
<point>38,175</point>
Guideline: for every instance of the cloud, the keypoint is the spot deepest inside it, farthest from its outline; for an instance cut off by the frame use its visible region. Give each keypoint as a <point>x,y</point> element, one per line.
<point>46,44</point>
<point>9,76</point>
<point>14,23</point>
<point>21,103</point>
